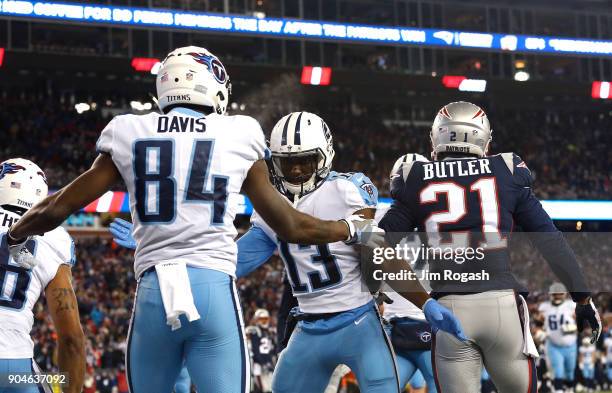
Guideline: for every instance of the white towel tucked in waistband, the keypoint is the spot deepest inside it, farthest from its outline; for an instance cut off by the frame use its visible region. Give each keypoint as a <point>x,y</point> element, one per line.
<point>176,292</point>
<point>529,347</point>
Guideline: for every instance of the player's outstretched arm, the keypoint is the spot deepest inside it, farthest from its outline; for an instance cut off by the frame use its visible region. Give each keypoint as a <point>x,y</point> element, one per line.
<point>438,316</point>
<point>54,209</point>
<point>293,226</point>
<point>549,241</point>
<point>64,311</point>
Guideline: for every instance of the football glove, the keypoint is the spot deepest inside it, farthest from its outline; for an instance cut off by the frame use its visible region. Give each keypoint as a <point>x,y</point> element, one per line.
<point>587,313</point>
<point>441,318</point>
<point>122,233</point>
<point>364,231</point>
<point>20,253</point>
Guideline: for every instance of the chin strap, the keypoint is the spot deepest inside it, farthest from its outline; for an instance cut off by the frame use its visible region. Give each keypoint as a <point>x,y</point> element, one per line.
<point>296,199</point>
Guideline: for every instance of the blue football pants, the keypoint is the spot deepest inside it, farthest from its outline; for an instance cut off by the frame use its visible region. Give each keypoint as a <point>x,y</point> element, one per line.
<point>309,360</point>
<point>212,348</point>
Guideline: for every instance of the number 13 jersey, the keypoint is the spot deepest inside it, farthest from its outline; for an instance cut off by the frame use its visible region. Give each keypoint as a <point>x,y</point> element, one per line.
<point>327,278</point>
<point>183,172</point>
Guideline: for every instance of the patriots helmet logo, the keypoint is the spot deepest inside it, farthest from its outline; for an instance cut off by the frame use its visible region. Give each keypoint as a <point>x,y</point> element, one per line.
<point>213,64</point>
<point>8,168</point>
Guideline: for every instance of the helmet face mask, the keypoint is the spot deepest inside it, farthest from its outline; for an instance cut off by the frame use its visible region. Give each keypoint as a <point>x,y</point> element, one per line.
<point>557,293</point>
<point>302,153</point>
<point>298,170</point>
<point>193,76</point>
<point>557,298</point>
<point>460,128</point>
<point>262,318</point>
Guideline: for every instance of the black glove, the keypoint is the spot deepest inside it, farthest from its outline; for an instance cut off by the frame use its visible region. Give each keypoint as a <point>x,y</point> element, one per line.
<point>588,313</point>
<point>381,297</point>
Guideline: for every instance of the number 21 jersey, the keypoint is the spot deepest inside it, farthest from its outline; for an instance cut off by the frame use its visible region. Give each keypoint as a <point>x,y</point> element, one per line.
<point>468,204</point>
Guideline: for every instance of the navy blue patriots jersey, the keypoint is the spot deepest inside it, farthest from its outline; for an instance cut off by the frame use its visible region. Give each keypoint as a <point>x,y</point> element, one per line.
<point>475,203</point>
<point>261,342</point>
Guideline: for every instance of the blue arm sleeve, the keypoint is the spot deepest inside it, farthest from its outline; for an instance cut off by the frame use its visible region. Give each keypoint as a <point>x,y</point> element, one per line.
<point>254,248</point>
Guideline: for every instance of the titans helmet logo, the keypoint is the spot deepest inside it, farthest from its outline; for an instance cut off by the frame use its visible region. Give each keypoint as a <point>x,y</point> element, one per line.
<point>8,168</point>
<point>212,63</point>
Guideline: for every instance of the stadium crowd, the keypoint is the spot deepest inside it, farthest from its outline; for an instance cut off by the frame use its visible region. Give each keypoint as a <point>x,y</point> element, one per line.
<point>105,286</point>
<point>63,142</point>
<point>366,139</point>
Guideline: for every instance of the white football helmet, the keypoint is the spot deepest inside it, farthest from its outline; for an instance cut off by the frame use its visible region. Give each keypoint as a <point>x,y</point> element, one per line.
<point>262,317</point>
<point>406,161</point>
<point>22,183</point>
<point>193,75</point>
<point>557,293</point>
<point>461,127</point>
<point>301,134</point>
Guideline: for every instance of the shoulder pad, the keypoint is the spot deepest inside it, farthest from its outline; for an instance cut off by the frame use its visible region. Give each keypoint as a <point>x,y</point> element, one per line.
<point>518,169</point>
<point>364,185</point>
<point>252,330</point>
<point>62,244</point>
<point>403,165</point>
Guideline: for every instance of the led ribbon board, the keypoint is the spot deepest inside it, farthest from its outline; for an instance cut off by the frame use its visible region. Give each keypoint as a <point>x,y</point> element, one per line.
<point>118,202</point>
<point>291,28</point>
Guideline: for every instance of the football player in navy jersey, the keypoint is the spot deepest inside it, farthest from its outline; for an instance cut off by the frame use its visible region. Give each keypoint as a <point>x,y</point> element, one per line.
<point>465,199</point>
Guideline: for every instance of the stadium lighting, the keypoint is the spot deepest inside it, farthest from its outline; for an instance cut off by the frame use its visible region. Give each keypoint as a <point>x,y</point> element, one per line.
<point>601,90</point>
<point>144,64</point>
<point>82,107</point>
<point>139,106</point>
<point>320,76</point>
<point>521,76</point>
<point>452,81</point>
<point>463,83</point>
<point>474,85</point>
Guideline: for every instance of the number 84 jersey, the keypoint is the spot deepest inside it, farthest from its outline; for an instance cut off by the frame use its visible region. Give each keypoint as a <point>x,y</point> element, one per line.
<point>183,172</point>
<point>327,278</point>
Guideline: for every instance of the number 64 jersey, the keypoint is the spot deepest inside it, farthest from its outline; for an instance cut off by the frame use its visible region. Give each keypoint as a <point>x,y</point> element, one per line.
<point>327,278</point>
<point>21,288</point>
<point>183,171</point>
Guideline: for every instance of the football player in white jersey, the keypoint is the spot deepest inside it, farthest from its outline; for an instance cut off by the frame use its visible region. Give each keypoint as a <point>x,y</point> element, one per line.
<point>586,361</point>
<point>561,341</point>
<point>339,323</point>
<point>22,184</point>
<point>608,357</point>
<point>183,170</point>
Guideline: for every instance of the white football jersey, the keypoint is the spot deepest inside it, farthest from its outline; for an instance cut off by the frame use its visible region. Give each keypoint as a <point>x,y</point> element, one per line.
<point>587,355</point>
<point>20,288</point>
<point>183,172</point>
<point>401,308</point>
<point>608,345</point>
<point>557,316</point>
<point>327,278</point>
